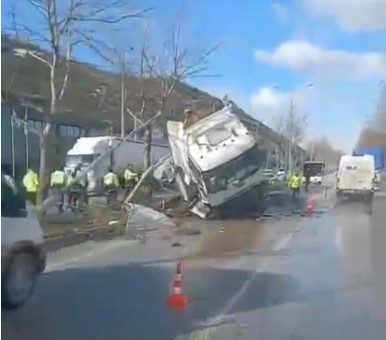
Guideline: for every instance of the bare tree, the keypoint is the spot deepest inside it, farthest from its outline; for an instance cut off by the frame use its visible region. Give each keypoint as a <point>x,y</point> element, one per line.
<point>291,126</point>
<point>159,72</point>
<point>374,133</point>
<point>380,111</point>
<point>322,150</point>
<point>66,24</point>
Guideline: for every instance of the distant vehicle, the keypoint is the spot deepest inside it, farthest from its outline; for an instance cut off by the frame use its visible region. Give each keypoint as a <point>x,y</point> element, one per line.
<point>22,256</point>
<point>315,170</point>
<point>218,164</point>
<point>87,149</point>
<point>356,176</point>
<point>281,174</point>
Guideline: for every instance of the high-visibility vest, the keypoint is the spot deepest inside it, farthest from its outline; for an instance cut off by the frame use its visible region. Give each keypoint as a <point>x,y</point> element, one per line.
<point>31,181</point>
<point>70,181</point>
<point>110,179</point>
<point>295,182</point>
<point>129,175</point>
<point>58,178</point>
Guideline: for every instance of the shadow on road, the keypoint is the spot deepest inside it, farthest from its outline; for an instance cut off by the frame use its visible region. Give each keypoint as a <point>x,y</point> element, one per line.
<point>129,302</point>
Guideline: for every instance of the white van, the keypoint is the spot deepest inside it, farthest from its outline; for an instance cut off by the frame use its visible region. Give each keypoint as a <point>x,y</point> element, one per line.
<point>356,176</point>
<point>22,256</point>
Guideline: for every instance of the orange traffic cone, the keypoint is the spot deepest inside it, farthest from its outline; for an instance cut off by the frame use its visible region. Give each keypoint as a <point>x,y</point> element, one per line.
<point>177,299</point>
<point>310,208</point>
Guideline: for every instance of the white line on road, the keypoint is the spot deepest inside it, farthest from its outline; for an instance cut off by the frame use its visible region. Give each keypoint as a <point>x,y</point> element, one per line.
<point>235,298</point>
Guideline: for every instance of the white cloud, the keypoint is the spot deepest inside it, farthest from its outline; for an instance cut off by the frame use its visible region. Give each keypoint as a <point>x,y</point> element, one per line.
<point>267,102</point>
<point>329,111</point>
<point>281,13</point>
<point>351,15</point>
<point>303,57</point>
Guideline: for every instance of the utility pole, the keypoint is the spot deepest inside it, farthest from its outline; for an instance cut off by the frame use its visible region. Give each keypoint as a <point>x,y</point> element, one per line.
<point>123,91</point>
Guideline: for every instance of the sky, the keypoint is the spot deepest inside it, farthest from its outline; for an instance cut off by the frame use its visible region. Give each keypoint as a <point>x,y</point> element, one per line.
<point>271,51</point>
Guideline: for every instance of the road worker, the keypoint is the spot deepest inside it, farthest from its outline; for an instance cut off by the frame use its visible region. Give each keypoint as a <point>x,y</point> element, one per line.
<point>82,185</point>
<point>111,184</point>
<point>73,191</point>
<point>130,178</point>
<point>58,184</point>
<point>31,184</point>
<point>294,184</point>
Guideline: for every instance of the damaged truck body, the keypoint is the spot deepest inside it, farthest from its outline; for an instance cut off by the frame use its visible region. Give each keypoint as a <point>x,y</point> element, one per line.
<point>217,166</point>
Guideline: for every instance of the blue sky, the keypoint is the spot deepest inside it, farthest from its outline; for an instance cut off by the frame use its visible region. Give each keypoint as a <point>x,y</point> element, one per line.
<point>287,44</point>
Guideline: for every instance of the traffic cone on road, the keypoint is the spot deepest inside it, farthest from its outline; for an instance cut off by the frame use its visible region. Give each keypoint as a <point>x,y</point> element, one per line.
<point>177,299</point>
<point>310,208</point>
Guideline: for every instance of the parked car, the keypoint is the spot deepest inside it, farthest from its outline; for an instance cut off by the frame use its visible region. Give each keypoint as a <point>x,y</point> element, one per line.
<point>22,256</point>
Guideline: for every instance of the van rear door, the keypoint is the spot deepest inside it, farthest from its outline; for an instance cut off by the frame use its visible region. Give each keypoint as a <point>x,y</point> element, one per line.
<point>356,173</point>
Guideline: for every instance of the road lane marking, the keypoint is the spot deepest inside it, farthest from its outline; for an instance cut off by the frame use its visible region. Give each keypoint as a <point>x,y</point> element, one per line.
<point>224,313</point>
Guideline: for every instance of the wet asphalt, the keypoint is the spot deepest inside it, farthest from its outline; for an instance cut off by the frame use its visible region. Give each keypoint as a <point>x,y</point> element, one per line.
<point>282,277</point>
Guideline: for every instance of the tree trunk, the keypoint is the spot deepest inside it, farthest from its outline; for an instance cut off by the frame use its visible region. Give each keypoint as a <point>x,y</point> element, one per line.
<point>42,171</point>
<point>43,163</point>
<point>147,141</point>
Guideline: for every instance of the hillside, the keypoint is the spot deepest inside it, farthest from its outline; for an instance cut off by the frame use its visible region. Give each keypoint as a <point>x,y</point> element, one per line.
<point>30,76</point>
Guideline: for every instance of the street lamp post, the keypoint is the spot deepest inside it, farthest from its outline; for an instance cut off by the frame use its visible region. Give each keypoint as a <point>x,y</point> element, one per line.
<point>290,125</point>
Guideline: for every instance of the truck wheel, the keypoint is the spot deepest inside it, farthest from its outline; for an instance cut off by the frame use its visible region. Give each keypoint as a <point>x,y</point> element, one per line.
<point>18,281</point>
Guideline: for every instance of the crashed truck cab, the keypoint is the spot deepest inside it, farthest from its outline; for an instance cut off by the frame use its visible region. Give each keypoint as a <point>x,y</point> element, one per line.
<point>217,164</point>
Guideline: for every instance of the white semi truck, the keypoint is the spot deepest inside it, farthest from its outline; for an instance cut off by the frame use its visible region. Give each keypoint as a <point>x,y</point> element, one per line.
<point>218,165</point>
<point>87,149</point>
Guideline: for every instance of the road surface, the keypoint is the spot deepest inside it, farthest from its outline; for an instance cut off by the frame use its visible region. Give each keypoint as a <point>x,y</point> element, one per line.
<point>282,278</point>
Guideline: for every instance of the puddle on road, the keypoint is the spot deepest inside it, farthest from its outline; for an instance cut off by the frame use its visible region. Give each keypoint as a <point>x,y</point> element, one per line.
<point>232,237</point>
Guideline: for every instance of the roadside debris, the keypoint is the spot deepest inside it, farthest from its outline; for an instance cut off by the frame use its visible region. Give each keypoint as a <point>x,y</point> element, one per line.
<point>141,220</point>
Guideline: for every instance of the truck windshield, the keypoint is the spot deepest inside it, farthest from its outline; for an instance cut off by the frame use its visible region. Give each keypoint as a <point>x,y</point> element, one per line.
<point>235,170</point>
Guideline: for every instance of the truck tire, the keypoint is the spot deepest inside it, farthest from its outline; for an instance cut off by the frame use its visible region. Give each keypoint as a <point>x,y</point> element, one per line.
<point>19,279</point>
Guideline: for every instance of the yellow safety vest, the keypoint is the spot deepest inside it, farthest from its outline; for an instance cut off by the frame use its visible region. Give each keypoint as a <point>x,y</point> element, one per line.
<point>31,181</point>
<point>58,178</point>
<point>110,179</point>
<point>70,181</point>
<point>129,175</point>
<point>295,182</point>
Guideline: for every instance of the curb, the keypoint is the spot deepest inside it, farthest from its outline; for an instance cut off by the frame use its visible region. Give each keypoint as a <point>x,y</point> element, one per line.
<point>53,245</point>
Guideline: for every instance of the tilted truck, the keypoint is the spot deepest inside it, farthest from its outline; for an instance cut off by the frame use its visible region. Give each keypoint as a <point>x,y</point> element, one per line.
<point>218,165</point>
<point>87,149</point>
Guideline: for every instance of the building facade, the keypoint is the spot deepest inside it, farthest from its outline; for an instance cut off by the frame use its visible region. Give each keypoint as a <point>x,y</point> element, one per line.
<point>20,145</point>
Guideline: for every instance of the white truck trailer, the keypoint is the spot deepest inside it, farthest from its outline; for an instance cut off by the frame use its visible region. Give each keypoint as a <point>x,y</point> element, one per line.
<point>88,149</point>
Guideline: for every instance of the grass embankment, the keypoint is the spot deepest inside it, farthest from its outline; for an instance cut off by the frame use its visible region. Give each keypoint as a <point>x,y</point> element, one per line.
<point>60,225</point>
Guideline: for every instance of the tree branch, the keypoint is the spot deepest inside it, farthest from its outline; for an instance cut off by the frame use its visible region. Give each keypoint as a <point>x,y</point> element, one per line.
<point>41,59</point>
<point>66,70</point>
